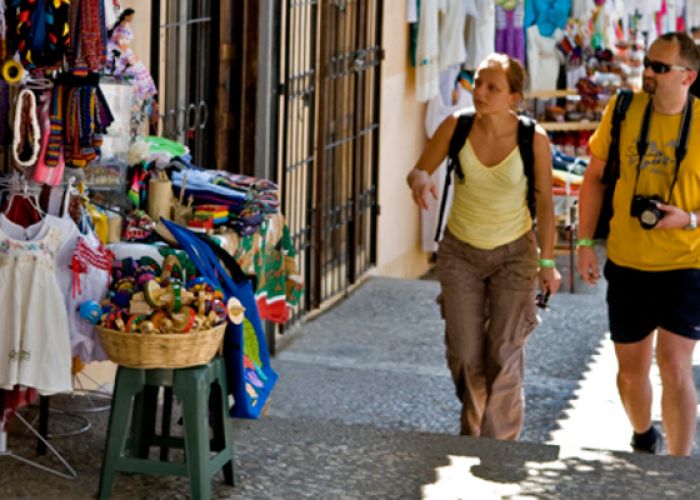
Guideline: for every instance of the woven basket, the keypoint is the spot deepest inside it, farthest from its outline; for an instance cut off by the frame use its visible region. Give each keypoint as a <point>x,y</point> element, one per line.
<point>156,350</point>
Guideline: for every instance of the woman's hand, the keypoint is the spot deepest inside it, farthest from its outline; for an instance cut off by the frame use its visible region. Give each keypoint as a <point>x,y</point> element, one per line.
<point>550,279</point>
<point>422,185</point>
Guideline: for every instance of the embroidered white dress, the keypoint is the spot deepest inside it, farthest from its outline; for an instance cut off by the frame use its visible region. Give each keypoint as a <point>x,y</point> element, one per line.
<point>34,341</point>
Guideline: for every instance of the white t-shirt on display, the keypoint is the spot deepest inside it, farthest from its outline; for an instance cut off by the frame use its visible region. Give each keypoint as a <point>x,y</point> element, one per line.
<point>481,37</point>
<point>542,55</point>
<point>452,49</point>
<point>428,51</point>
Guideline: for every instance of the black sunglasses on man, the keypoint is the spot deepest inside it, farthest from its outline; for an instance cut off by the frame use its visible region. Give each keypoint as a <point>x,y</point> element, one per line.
<point>660,68</point>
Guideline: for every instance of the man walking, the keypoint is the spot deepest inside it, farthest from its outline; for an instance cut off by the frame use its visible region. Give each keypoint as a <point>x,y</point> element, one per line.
<point>653,249</point>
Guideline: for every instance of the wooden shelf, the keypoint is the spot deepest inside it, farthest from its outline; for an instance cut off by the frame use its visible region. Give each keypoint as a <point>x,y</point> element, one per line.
<point>550,94</point>
<point>568,126</point>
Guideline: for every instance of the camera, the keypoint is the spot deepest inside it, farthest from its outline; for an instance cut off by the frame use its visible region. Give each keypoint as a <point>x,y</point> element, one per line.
<point>646,210</point>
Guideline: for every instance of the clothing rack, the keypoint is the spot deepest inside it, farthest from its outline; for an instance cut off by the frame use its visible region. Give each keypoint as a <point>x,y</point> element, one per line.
<point>43,444</point>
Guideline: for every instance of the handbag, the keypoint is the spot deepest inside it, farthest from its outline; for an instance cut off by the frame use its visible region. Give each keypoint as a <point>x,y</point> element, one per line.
<point>250,376</point>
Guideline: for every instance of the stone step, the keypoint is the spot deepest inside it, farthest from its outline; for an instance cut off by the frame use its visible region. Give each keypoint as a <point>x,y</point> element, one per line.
<point>360,461</point>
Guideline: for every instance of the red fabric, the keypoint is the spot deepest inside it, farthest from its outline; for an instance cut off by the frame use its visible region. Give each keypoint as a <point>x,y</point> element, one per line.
<point>17,398</point>
<point>21,211</point>
<point>101,258</point>
<point>276,311</point>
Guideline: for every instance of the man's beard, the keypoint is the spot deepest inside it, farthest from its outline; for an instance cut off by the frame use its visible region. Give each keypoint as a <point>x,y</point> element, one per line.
<point>649,86</point>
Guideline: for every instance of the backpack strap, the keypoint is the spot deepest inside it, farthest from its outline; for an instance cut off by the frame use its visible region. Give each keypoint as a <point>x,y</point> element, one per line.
<point>459,137</point>
<point>526,138</point>
<point>612,165</point>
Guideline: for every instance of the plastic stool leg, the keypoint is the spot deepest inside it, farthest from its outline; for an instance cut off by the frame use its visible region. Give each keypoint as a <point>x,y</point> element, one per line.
<point>193,390</point>
<point>143,421</point>
<point>222,423</point>
<point>165,423</point>
<point>129,382</point>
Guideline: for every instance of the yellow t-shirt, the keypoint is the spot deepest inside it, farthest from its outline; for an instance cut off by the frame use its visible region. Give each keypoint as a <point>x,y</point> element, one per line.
<point>629,244</point>
<point>489,208</point>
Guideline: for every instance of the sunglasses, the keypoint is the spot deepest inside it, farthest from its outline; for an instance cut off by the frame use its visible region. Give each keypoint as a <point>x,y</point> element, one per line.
<point>541,299</point>
<point>660,68</point>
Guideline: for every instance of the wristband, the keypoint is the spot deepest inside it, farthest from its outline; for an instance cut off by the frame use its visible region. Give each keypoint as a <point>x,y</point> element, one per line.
<point>585,242</point>
<point>547,263</point>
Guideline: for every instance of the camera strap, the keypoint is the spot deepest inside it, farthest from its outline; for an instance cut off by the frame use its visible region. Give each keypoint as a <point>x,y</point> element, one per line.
<point>681,144</point>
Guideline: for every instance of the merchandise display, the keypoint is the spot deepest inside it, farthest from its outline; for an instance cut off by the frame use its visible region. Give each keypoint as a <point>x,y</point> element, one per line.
<point>89,277</point>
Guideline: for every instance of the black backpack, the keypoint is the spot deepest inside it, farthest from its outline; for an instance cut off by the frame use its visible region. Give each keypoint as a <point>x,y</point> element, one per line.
<point>612,165</point>
<point>526,134</point>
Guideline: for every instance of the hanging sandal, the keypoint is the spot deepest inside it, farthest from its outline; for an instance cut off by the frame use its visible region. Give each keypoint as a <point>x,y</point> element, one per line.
<point>26,133</point>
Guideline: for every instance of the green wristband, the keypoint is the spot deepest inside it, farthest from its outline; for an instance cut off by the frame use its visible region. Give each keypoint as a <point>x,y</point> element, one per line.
<point>547,263</point>
<point>585,242</point>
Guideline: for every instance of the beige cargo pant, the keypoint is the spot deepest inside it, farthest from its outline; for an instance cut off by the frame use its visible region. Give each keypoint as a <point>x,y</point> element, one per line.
<point>487,302</point>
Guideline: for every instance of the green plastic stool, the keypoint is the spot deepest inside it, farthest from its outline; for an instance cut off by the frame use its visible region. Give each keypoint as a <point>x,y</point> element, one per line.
<point>193,387</point>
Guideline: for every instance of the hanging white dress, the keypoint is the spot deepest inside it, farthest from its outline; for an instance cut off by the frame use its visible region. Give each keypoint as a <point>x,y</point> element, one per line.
<point>68,232</point>
<point>34,343</point>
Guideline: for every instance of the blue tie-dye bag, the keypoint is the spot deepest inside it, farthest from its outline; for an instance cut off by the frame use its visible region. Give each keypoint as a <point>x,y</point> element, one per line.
<point>250,376</point>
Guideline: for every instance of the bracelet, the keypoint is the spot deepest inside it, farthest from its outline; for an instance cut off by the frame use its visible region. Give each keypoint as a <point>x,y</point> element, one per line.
<point>585,242</point>
<point>547,263</point>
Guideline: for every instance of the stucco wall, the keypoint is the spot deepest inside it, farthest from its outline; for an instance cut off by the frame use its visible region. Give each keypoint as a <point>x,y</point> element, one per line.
<point>402,138</point>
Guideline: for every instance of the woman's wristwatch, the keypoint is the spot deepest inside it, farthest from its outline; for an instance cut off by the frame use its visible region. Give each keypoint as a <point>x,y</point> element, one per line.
<point>693,224</point>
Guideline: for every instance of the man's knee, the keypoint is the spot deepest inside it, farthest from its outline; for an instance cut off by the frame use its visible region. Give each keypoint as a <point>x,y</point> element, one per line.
<point>632,373</point>
<point>674,370</point>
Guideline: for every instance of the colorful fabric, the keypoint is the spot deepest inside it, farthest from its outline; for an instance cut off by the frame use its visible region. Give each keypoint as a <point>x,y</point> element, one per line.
<point>269,254</point>
<point>80,116</point>
<point>43,34</point>
<point>89,49</point>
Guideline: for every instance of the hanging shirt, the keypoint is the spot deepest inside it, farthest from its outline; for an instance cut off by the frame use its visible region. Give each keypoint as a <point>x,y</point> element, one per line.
<point>582,9</point>
<point>510,34</point>
<point>428,51</point>
<point>481,29</point>
<point>548,15</point>
<point>542,56</point>
<point>452,49</point>
<point>411,11</point>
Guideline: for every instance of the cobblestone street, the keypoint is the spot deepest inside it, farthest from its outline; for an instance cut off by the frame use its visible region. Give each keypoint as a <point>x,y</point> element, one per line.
<point>365,408</point>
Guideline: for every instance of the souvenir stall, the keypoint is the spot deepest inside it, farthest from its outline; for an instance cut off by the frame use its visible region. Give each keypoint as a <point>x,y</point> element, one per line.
<point>577,54</point>
<point>113,245</point>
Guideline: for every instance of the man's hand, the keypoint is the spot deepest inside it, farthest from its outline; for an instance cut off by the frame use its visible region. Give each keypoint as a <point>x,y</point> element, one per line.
<point>674,217</point>
<point>421,185</point>
<point>588,265</point>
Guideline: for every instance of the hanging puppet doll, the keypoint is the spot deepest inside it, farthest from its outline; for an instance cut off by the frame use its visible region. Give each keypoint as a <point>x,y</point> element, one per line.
<point>122,63</point>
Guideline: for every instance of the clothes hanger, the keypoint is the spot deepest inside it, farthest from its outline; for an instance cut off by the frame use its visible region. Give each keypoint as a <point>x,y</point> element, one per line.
<point>38,84</point>
<point>4,452</point>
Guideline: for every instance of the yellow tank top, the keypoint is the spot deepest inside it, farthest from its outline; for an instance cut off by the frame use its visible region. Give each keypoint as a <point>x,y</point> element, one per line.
<point>489,208</point>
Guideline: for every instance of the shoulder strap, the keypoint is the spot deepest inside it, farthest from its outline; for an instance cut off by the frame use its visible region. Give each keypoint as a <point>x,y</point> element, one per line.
<point>526,138</point>
<point>459,137</point>
<point>612,165</point>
